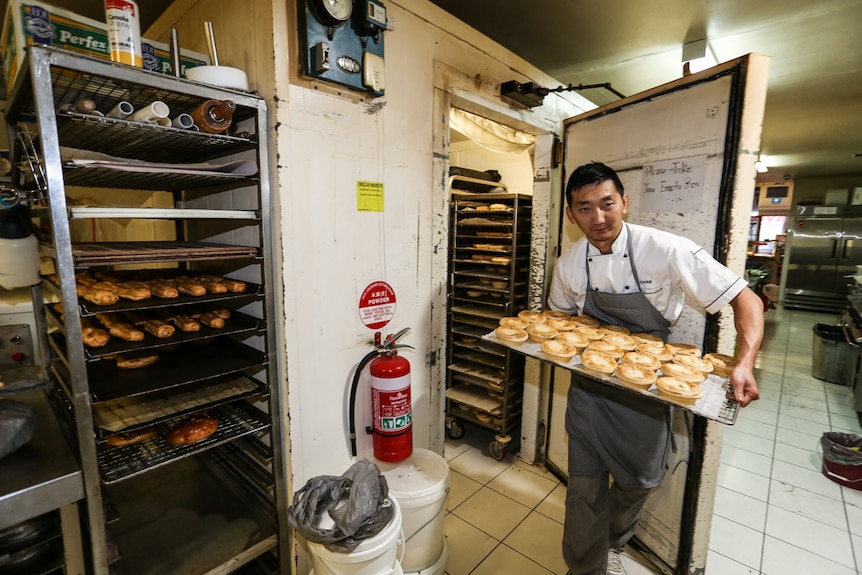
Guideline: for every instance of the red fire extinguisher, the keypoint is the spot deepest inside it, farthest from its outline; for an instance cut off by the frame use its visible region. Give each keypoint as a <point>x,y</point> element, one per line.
<point>391,407</point>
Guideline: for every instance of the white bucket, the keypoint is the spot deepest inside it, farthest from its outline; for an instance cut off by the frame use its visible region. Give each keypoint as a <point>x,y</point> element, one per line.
<point>376,555</point>
<point>420,484</point>
<point>439,566</point>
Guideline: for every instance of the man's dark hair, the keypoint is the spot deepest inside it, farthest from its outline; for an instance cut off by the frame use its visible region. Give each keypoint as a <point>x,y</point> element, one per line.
<point>589,174</point>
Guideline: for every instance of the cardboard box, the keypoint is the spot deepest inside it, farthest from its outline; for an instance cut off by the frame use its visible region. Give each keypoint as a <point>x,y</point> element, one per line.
<point>28,22</point>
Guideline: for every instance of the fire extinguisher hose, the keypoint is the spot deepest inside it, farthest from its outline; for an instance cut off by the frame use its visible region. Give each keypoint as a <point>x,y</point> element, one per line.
<point>354,384</point>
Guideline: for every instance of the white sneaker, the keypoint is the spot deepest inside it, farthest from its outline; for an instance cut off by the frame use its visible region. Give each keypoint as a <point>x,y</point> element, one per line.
<point>615,564</point>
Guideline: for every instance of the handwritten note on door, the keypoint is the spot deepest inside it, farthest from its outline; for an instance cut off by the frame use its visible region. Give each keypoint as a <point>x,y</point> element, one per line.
<point>673,185</point>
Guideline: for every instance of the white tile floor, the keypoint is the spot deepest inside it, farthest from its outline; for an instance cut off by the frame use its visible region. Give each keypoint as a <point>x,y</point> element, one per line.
<point>775,514</point>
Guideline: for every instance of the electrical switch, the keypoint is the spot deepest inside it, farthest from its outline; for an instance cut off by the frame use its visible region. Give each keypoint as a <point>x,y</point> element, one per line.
<point>321,57</point>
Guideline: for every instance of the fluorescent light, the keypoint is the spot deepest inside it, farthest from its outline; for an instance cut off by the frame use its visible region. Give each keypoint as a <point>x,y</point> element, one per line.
<point>699,55</point>
<point>760,167</point>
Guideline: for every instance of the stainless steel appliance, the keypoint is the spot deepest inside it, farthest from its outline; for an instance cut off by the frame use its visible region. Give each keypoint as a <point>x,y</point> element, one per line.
<point>824,246</point>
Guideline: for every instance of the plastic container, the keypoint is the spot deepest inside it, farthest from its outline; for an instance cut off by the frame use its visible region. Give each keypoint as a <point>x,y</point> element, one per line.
<point>376,555</point>
<point>833,359</point>
<point>420,484</point>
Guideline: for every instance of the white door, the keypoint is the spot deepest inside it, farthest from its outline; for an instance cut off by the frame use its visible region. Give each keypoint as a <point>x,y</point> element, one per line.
<point>685,153</point>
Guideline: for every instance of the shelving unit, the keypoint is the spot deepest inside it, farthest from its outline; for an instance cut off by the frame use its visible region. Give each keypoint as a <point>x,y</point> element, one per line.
<point>490,257</point>
<point>217,505</point>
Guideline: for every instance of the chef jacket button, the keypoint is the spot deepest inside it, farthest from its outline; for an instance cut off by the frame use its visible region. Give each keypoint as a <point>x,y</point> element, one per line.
<point>595,289</point>
<point>627,287</point>
<point>625,255</point>
<point>589,259</point>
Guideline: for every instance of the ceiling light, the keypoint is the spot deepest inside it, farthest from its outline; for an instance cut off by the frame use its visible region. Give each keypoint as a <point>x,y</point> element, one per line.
<point>760,165</point>
<point>698,55</point>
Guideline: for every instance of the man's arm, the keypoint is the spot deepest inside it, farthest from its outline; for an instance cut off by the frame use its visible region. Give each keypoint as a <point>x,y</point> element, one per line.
<point>748,320</point>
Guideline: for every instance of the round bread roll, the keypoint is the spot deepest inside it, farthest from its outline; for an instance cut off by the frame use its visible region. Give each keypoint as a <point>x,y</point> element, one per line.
<point>591,333</point>
<point>574,338</point>
<point>540,332</point>
<point>606,348</point>
<point>648,338</point>
<point>616,328</point>
<point>482,416</point>
<point>475,293</point>
<point>511,334</point>
<point>532,316</point>
<point>683,372</point>
<point>131,437</point>
<point>683,349</point>
<point>515,322</point>
<point>560,324</point>
<point>621,340</point>
<point>636,375</point>
<point>598,361</point>
<point>559,349</point>
<point>678,390</point>
<point>585,320</point>
<point>700,364</point>
<point>642,359</point>
<point>557,314</point>
<point>660,352</point>
<point>722,364</point>
<point>192,430</point>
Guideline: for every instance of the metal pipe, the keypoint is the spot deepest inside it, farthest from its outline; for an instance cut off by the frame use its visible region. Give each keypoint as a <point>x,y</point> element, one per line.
<point>176,67</point>
<point>211,45</point>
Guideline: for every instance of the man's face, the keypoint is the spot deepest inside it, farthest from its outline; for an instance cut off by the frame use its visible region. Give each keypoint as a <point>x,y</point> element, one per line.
<point>598,209</point>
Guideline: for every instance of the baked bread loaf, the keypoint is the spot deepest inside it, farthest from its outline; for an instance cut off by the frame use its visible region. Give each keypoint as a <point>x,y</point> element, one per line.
<point>678,390</point>
<point>700,364</point>
<point>683,349</point>
<point>511,334</point>
<point>598,361</point>
<point>532,316</point>
<point>722,364</point>
<point>191,430</point>
<point>585,320</point>
<point>621,340</point>
<point>682,372</point>
<point>559,349</point>
<point>540,332</point>
<point>136,361</point>
<point>515,322</point>
<point>642,359</point>
<point>636,375</point>
<point>131,437</point>
<point>606,348</point>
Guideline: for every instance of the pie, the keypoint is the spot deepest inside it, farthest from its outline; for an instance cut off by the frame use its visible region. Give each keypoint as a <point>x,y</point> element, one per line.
<point>514,322</point>
<point>585,320</point>
<point>722,364</point>
<point>636,375</point>
<point>678,390</point>
<point>700,364</point>
<point>606,348</point>
<point>574,338</point>
<point>511,334</point>
<point>540,332</point>
<point>557,314</point>
<point>659,351</point>
<point>591,333</point>
<point>598,361</point>
<point>683,372</point>
<point>616,328</point>
<point>559,349</point>
<point>621,340</point>
<point>642,359</point>
<point>684,349</point>
<point>560,324</point>
<point>648,338</point>
<point>531,316</point>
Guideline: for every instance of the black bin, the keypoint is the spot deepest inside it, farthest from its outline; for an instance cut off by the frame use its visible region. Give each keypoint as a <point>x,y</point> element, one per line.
<point>833,359</point>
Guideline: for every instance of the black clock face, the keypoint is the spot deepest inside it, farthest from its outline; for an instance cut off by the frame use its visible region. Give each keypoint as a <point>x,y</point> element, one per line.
<point>332,12</point>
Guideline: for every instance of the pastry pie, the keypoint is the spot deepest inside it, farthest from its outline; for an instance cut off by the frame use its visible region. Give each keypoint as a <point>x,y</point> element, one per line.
<point>511,334</point>
<point>700,364</point>
<point>591,333</point>
<point>515,322</point>
<point>598,361</point>
<point>683,372</point>
<point>648,338</point>
<point>722,364</point>
<point>616,328</point>
<point>540,332</point>
<point>585,320</point>
<point>621,340</point>
<point>659,351</point>
<point>559,349</point>
<point>574,338</point>
<point>606,348</point>
<point>678,390</point>
<point>560,324</point>
<point>642,359</point>
<point>636,375</point>
<point>684,349</point>
<point>532,316</point>
<point>557,314</point>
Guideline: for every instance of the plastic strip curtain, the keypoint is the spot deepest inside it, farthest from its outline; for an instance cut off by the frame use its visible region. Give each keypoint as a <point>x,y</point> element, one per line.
<point>490,134</point>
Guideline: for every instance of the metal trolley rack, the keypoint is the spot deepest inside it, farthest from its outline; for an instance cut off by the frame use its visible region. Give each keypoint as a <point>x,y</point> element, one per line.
<point>490,242</point>
<point>213,506</point>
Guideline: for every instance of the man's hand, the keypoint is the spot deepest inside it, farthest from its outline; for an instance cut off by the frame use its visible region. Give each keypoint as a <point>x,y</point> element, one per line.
<point>743,385</point>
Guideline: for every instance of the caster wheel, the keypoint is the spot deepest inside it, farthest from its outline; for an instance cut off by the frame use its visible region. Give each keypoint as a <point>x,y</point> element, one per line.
<point>455,430</point>
<point>498,450</point>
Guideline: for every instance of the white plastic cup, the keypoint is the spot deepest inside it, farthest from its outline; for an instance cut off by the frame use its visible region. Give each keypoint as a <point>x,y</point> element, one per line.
<point>151,114</point>
<point>121,111</point>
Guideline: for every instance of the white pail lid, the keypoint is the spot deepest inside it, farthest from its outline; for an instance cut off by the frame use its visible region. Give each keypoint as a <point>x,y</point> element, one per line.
<point>422,474</point>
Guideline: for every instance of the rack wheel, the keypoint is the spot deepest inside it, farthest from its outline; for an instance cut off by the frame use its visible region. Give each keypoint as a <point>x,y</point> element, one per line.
<point>454,429</point>
<point>498,450</point>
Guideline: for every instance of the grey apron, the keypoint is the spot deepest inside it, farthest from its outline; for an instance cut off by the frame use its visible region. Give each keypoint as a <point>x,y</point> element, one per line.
<point>618,431</point>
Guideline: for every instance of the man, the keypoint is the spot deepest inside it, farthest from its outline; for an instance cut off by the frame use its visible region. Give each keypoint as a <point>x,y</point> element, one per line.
<point>639,278</point>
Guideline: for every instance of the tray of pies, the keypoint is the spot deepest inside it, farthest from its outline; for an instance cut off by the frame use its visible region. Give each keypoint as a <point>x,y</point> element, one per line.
<point>673,374</point>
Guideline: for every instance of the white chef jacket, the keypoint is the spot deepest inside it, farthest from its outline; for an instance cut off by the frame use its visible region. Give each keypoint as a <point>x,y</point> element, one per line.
<point>669,267</point>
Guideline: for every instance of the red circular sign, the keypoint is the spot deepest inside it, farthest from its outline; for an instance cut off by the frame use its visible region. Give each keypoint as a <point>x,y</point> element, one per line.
<point>377,305</point>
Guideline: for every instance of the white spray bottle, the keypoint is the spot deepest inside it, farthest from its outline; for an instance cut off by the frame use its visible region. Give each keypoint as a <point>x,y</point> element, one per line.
<point>124,32</point>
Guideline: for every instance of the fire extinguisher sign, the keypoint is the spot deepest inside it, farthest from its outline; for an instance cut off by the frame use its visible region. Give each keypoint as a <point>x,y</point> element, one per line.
<point>377,305</point>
